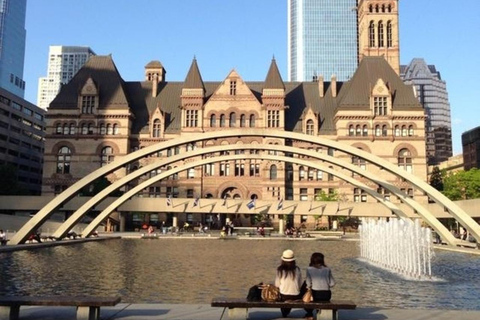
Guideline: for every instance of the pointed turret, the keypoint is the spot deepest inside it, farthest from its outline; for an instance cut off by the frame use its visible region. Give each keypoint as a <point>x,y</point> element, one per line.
<point>274,79</point>
<point>194,78</point>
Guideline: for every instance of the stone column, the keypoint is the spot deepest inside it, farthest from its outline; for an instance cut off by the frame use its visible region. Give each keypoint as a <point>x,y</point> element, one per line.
<point>121,217</point>
<point>175,220</point>
<point>281,224</point>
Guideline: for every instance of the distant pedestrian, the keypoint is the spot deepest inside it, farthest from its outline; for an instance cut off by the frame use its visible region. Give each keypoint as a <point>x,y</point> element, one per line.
<point>3,237</point>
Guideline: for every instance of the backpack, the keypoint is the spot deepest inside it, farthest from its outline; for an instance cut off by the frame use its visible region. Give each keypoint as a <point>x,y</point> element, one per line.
<point>255,292</point>
<point>270,293</point>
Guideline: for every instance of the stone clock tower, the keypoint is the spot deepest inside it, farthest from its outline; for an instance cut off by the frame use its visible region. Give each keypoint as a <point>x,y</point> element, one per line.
<point>378,30</point>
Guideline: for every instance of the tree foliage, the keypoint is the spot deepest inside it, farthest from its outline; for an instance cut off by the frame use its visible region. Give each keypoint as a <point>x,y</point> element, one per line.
<point>436,179</point>
<point>462,185</point>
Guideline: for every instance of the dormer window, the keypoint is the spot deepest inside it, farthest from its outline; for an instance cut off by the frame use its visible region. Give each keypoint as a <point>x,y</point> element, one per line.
<point>233,87</point>
<point>380,106</point>
<point>88,104</point>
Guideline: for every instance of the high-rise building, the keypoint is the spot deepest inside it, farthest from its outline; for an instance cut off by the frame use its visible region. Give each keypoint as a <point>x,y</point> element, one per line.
<point>63,64</point>
<point>322,39</point>
<point>471,148</point>
<point>432,94</point>
<point>12,45</point>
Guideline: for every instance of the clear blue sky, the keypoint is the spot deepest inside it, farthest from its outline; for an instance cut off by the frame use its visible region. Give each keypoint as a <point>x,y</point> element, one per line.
<point>244,35</point>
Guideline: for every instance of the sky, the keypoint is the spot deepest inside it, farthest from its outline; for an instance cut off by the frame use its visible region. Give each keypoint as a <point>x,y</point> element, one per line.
<point>244,35</point>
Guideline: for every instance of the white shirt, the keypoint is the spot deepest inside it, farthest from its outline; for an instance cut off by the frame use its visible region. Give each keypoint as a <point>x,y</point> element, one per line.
<point>289,285</point>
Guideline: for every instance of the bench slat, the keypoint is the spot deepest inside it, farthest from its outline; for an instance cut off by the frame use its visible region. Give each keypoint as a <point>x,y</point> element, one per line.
<point>81,301</point>
<point>243,303</point>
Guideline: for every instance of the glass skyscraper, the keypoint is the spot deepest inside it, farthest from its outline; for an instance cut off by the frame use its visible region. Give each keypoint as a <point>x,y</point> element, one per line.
<point>12,45</point>
<point>322,39</point>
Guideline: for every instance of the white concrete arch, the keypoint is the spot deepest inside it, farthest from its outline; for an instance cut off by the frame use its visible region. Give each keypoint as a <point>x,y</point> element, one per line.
<point>432,221</point>
<point>43,214</point>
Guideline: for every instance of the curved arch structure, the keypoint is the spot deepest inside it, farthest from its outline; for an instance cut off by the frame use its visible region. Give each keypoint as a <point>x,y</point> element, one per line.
<point>463,218</point>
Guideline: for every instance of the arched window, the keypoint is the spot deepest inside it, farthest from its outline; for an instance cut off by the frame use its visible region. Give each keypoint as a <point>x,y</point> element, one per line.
<point>59,129</point>
<point>72,128</point>
<point>157,128</point>
<point>384,131</point>
<point>358,130</point>
<point>383,8</point>
<point>380,34</point>
<point>109,129</point>
<point>351,131</point>
<point>310,126</point>
<point>311,174</point>
<point>389,35</point>
<point>84,129</point>
<point>377,8</point>
<point>63,160</point>
<point>90,128</point>
<point>252,121</point>
<point>65,128</point>
<point>106,156</point>
<point>404,131</point>
<point>377,131</point>
<point>102,129</point>
<point>370,8</point>
<point>190,147</point>
<point>365,131</point>
<point>301,173</point>
<point>273,172</point>
<point>397,131</point>
<point>410,131</point>
<point>359,162</point>
<point>213,121</point>
<point>191,173</point>
<point>222,120</point>
<point>115,129</point>
<point>405,160</point>
<point>371,34</point>
<point>389,8</point>
<point>242,120</point>
<point>232,120</point>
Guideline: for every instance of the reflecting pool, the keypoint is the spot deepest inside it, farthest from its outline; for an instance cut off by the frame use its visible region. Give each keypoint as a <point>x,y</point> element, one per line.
<point>196,270</point>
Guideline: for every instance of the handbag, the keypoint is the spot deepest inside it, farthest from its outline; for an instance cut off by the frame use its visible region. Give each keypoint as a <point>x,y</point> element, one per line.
<point>255,292</point>
<point>308,297</point>
<point>270,293</point>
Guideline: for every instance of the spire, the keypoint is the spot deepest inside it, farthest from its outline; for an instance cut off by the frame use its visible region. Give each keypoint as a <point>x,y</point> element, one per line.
<point>274,79</point>
<point>194,79</point>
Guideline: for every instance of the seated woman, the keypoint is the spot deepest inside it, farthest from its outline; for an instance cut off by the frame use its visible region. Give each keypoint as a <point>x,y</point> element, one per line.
<point>288,279</point>
<point>320,280</point>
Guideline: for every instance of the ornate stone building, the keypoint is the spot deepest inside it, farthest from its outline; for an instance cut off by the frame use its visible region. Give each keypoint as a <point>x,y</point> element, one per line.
<point>98,117</point>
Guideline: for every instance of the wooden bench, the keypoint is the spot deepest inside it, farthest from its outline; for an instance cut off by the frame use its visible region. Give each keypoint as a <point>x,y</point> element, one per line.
<point>238,308</point>
<point>88,308</point>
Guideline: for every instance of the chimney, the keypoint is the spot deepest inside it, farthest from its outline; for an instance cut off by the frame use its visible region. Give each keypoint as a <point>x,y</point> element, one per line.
<point>333,85</point>
<point>154,85</point>
<point>321,86</point>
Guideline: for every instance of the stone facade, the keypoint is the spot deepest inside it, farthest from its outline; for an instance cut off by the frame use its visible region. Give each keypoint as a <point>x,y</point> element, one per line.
<point>106,118</point>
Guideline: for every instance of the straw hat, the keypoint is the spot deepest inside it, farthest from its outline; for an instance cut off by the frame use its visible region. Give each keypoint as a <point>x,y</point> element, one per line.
<point>288,255</point>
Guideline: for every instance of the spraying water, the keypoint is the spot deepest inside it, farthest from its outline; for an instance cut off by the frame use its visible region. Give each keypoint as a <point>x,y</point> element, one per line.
<point>404,247</point>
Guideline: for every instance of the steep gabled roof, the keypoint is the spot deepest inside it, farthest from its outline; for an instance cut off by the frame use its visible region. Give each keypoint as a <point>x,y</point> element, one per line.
<point>274,79</point>
<point>356,92</point>
<point>102,70</point>
<point>194,78</point>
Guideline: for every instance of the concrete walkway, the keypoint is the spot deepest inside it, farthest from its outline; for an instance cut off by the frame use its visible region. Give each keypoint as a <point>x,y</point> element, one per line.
<point>125,311</point>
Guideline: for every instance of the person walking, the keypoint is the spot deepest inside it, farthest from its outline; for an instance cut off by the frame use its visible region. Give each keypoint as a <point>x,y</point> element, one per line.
<point>320,279</point>
<point>288,279</point>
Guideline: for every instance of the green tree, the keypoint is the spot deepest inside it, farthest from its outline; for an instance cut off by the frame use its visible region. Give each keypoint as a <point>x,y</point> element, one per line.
<point>436,179</point>
<point>10,185</point>
<point>462,185</point>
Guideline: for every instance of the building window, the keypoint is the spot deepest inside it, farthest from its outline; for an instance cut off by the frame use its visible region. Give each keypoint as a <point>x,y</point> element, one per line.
<point>210,169</point>
<point>310,127</point>
<point>222,120</point>
<point>239,169</point>
<point>358,130</point>
<point>191,173</point>
<point>351,131</point>
<point>273,172</point>
<point>84,129</point>
<point>404,131</point>
<point>191,120</point>
<point>115,129</point>
<point>389,35</point>
<point>252,120</point>
<point>242,120</point>
<point>319,175</point>
<point>410,131</point>
<point>107,156</point>
<point>157,128</point>
<point>365,131</point>
<point>88,104</point>
<point>405,160</point>
<point>371,34</point>
<point>359,162</point>
<point>109,129</point>
<point>303,194</point>
<point>63,160</point>
<point>233,87</point>
<point>377,131</point>
<point>384,131</point>
<point>380,106</point>
<point>59,129</point>
<point>72,128</point>
<point>213,121</point>
<point>380,34</point>
<point>301,173</point>
<point>397,131</point>
<point>232,120</point>
<point>273,118</point>
<point>224,169</point>
<point>103,130</point>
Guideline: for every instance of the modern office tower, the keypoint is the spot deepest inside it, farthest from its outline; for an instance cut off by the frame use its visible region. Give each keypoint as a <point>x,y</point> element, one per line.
<point>63,64</point>
<point>471,148</point>
<point>12,45</point>
<point>378,33</point>
<point>432,94</point>
<point>322,39</point>
<point>22,133</point>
